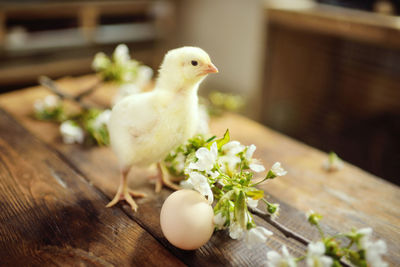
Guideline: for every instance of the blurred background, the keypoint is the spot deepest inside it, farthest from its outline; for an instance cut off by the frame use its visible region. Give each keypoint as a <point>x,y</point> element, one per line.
<point>324,72</point>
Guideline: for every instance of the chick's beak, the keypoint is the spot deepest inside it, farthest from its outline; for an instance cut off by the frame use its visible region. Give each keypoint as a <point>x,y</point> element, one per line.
<point>209,68</point>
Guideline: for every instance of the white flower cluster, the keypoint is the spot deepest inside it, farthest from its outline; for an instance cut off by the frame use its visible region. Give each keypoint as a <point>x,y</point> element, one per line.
<point>200,170</point>
<point>226,167</point>
<point>278,260</point>
<point>50,102</point>
<point>144,75</point>
<point>328,252</point>
<point>71,132</point>
<point>254,236</point>
<point>316,255</point>
<point>373,250</point>
<point>95,127</point>
<point>102,119</point>
<point>122,69</point>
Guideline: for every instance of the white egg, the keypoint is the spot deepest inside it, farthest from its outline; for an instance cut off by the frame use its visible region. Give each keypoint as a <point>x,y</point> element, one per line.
<point>187,219</point>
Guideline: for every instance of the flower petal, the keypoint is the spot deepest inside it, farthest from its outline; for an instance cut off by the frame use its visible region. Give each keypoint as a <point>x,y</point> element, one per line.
<point>257,167</point>
<point>250,151</point>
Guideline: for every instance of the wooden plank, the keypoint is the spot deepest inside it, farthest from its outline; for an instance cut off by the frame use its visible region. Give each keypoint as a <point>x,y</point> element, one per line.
<point>99,165</point>
<point>50,215</point>
<point>346,198</point>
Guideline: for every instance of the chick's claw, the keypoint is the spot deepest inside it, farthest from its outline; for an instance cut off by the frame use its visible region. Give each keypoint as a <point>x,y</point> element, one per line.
<point>127,196</point>
<point>125,193</point>
<point>164,179</point>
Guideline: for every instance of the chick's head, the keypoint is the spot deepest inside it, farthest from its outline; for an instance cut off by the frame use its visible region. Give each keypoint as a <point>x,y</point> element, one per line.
<point>190,64</point>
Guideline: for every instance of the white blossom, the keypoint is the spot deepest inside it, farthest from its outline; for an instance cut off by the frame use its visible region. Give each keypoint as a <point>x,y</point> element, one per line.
<point>100,61</point>
<point>253,163</point>
<point>143,76</point>
<point>233,148</point>
<point>230,157</point>
<point>228,162</point>
<point>257,235</point>
<point>121,54</point>
<point>236,231</point>
<point>206,158</point>
<point>179,162</point>
<point>48,103</point>
<point>256,167</point>
<point>278,170</point>
<point>277,211</point>
<point>250,151</point>
<point>279,260</point>
<point>315,255</point>
<point>102,119</point>
<point>252,203</point>
<point>219,220</point>
<point>373,250</point>
<point>199,182</point>
<point>128,74</point>
<point>71,133</point>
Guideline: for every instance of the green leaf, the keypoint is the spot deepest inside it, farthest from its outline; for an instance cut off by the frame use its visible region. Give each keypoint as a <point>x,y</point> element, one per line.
<point>240,209</point>
<point>211,138</point>
<point>227,187</point>
<point>220,142</point>
<point>223,140</point>
<point>255,193</point>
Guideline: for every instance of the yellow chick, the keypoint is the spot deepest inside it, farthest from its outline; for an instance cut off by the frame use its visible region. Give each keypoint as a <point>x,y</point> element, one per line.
<point>145,127</point>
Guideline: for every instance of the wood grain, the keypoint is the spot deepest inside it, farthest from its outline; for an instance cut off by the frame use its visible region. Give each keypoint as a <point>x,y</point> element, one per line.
<point>345,198</point>
<point>50,215</point>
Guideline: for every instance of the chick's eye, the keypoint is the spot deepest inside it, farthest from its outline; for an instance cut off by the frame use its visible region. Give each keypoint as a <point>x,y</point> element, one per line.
<point>194,63</point>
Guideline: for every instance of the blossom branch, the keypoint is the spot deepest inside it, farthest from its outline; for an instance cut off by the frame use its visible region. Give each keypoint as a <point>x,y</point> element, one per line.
<point>52,86</point>
<point>283,229</point>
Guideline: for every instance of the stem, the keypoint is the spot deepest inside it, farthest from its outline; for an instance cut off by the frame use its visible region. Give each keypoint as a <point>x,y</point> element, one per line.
<point>321,233</point>
<point>350,244</point>
<point>89,91</point>
<point>52,86</point>
<point>259,182</point>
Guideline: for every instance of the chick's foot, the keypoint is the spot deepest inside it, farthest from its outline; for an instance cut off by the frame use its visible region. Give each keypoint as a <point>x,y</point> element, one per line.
<point>124,193</point>
<point>164,179</point>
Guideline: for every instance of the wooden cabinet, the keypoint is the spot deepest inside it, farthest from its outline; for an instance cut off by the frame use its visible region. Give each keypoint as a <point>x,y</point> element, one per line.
<point>60,38</point>
<point>333,81</point>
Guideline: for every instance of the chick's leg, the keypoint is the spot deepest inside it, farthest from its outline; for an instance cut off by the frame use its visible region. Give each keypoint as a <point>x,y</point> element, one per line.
<point>164,179</point>
<point>124,193</point>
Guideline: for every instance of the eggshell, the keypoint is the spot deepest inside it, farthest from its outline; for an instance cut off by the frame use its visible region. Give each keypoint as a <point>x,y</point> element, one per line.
<point>187,219</point>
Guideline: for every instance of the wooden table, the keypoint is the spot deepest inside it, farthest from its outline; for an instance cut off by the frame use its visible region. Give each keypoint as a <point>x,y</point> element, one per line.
<point>52,197</point>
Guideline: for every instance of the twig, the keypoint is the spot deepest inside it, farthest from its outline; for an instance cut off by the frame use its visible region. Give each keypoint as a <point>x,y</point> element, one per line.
<point>89,91</point>
<point>52,86</point>
<point>283,229</point>
<point>286,231</point>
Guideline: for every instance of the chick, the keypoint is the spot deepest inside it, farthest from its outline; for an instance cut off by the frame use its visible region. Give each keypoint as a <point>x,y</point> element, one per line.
<point>145,127</point>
